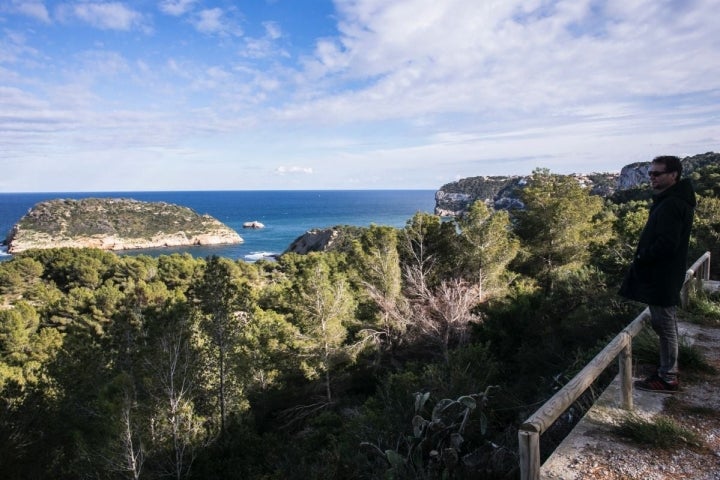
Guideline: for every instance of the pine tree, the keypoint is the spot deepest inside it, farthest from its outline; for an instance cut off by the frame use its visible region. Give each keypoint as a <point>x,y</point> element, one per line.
<point>560,221</point>
<point>488,246</point>
<point>378,261</point>
<point>224,302</point>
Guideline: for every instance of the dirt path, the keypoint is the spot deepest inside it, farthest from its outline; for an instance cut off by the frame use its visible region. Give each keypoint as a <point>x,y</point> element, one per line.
<point>593,451</point>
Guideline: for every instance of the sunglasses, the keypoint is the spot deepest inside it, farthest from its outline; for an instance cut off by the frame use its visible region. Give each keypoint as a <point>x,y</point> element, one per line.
<point>656,174</point>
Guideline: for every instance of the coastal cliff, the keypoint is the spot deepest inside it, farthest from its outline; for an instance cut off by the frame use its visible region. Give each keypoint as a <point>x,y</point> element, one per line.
<point>337,238</point>
<point>635,174</point>
<point>316,240</point>
<point>115,224</point>
<point>502,192</point>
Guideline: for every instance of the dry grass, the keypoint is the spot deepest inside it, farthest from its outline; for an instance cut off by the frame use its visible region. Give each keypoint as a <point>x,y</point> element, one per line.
<point>661,431</point>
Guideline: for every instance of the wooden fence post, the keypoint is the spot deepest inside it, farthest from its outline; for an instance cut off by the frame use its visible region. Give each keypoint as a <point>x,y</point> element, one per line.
<point>529,455</point>
<point>706,269</point>
<point>626,385</point>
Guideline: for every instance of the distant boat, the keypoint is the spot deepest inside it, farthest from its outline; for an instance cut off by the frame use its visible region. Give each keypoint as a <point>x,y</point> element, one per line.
<point>253,224</point>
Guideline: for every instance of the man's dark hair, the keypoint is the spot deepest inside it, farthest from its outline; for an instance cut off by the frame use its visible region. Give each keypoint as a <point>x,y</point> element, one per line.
<point>671,163</point>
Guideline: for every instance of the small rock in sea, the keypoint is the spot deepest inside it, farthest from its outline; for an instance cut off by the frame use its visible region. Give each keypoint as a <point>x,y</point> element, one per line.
<point>253,224</point>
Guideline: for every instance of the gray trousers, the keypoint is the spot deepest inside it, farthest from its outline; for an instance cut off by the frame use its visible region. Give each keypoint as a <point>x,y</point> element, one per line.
<point>664,323</point>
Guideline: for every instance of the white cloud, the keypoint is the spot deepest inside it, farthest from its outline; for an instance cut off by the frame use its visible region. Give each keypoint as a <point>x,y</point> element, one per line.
<point>265,46</point>
<point>272,30</point>
<point>176,7</point>
<point>101,63</point>
<point>214,21</point>
<point>31,8</point>
<point>14,98</point>
<point>508,57</point>
<point>210,21</point>
<point>14,48</point>
<point>282,170</point>
<point>104,16</point>
<point>403,94</point>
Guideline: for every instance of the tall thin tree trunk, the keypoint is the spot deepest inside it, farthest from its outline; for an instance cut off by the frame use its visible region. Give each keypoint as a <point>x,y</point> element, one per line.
<point>222,389</point>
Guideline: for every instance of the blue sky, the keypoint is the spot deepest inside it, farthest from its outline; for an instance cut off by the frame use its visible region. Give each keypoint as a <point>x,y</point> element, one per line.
<point>347,94</point>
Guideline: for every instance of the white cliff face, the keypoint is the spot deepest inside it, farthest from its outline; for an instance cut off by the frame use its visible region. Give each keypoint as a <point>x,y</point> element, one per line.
<point>633,175</point>
<point>317,240</point>
<point>499,192</point>
<point>451,204</point>
<point>22,240</point>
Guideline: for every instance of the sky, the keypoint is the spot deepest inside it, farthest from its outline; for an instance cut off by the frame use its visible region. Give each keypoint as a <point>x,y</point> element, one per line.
<point>347,94</point>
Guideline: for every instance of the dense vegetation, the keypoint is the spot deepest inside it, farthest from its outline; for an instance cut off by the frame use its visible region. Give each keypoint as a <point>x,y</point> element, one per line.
<point>406,353</point>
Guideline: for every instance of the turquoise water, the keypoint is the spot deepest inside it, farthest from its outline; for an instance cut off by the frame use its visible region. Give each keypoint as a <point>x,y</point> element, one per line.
<point>285,214</point>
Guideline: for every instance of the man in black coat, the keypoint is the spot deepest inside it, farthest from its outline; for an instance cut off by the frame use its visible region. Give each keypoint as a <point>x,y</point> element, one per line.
<point>658,269</point>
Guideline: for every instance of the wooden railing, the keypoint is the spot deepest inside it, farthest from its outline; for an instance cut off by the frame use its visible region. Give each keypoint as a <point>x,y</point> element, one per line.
<point>620,347</point>
<point>699,272</point>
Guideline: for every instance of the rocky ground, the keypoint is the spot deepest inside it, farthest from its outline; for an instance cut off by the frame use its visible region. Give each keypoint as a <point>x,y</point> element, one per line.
<point>595,451</point>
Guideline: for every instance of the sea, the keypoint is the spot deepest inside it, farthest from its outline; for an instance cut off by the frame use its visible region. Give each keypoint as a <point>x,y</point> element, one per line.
<point>286,214</point>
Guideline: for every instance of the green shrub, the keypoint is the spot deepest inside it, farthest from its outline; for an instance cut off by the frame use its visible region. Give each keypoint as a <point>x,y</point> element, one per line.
<point>436,448</point>
<point>660,432</point>
<point>703,308</point>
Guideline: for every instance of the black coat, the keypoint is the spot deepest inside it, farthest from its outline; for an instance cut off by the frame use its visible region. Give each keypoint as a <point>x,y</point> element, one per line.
<point>658,269</point>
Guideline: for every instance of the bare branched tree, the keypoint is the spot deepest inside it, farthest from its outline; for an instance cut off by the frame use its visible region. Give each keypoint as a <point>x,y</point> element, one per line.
<point>441,309</point>
<point>442,315</point>
<point>174,423</point>
<point>133,451</point>
<point>421,261</point>
<point>126,454</point>
<point>394,317</point>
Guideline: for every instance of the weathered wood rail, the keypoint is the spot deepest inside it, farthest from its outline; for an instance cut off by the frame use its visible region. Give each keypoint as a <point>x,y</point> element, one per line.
<point>620,347</point>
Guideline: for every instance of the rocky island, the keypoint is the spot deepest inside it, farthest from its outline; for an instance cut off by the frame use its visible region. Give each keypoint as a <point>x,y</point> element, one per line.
<point>115,224</point>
